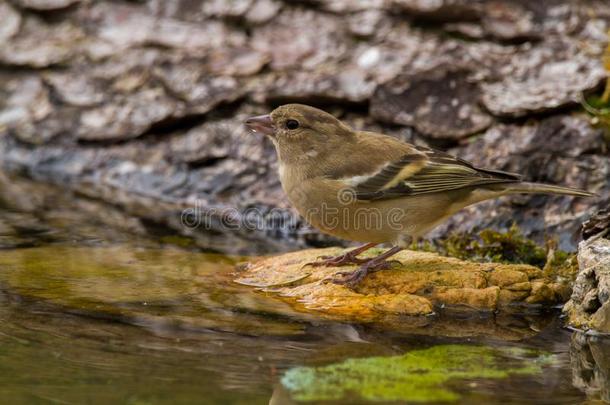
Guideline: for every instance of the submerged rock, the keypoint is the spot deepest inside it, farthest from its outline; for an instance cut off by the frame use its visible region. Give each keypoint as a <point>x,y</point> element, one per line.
<point>590,364</point>
<point>421,283</point>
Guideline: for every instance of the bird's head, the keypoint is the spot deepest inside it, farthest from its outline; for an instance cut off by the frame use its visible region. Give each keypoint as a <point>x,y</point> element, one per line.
<point>300,132</point>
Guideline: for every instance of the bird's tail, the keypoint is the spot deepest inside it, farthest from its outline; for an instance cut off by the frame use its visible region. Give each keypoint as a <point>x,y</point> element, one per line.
<point>538,188</point>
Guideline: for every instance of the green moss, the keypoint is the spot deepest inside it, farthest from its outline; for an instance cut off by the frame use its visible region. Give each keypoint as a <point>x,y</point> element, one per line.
<point>417,376</point>
<point>599,108</point>
<point>505,247</point>
<point>493,246</point>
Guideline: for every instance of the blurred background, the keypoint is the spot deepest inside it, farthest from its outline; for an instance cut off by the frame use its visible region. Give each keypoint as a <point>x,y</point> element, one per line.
<point>141,103</point>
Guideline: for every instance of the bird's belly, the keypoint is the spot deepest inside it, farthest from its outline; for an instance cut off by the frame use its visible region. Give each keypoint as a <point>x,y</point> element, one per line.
<point>359,222</point>
<point>393,221</point>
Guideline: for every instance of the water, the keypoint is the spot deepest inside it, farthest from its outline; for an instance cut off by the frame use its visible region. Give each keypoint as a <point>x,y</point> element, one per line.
<point>95,310</point>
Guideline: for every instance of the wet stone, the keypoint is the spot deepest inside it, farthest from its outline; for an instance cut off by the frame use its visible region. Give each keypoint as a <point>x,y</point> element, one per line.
<point>348,6</point>
<point>25,104</point>
<point>191,84</point>
<point>514,143</point>
<point>321,38</point>
<point>250,11</point>
<point>40,45</point>
<point>127,116</point>
<point>440,10</point>
<point>440,103</point>
<point>129,61</point>
<point>422,283</point>
<point>128,25</point>
<point>589,306</point>
<point>400,49</point>
<point>537,151</point>
<point>226,9</point>
<point>76,88</point>
<point>518,21</point>
<point>236,61</point>
<point>263,11</point>
<point>46,5</point>
<point>366,23</point>
<point>542,79</point>
<point>185,10</point>
<point>508,21</point>
<point>589,364</point>
<point>204,144</point>
<point>597,224</point>
<point>10,21</point>
<point>138,102</point>
<point>59,122</point>
<point>349,85</point>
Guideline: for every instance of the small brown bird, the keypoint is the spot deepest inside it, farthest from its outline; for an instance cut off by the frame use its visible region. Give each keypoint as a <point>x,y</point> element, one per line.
<point>369,187</point>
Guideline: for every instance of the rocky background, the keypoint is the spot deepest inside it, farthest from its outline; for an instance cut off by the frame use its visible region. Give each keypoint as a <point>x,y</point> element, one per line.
<point>141,103</point>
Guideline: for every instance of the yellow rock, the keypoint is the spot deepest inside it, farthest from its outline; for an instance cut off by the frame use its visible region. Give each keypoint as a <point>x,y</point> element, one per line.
<point>503,277</point>
<point>506,296</point>
<point>476,298</point>
<point>541,293</point>
<point>416,285</point>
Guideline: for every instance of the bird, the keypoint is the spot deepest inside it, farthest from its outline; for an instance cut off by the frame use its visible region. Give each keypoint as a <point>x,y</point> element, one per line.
<point>373,188</point>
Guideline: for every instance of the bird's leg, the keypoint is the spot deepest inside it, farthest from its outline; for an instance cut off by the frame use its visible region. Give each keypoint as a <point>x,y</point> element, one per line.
<point>351,279</point>
<point>345,259</point>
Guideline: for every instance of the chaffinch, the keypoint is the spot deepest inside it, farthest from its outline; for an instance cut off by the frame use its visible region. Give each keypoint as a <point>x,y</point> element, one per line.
<point>373,188</point>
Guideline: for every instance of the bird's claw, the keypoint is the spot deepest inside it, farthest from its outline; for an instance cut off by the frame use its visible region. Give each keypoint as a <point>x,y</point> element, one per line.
<point>351,279</point>
<point>336,261</point>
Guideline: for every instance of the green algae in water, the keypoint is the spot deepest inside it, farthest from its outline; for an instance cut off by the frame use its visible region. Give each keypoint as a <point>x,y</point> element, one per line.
<point>417,376</point>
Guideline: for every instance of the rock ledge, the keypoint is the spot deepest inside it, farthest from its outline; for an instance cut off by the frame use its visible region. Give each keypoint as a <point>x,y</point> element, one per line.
<point>422,283</point>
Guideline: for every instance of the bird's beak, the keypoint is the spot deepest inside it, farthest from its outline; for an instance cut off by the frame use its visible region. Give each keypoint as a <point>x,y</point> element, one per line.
<point>262,124</point>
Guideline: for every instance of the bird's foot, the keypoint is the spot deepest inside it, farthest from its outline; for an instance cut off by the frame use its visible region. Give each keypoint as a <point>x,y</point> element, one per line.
<point>345,259</point>
<point>351,279</point>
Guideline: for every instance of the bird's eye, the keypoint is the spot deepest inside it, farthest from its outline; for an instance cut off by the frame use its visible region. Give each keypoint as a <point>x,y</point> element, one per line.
<point>292,124</point>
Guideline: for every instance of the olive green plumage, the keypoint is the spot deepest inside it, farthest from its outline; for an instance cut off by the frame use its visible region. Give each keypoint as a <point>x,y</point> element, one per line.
<point>370,187</point>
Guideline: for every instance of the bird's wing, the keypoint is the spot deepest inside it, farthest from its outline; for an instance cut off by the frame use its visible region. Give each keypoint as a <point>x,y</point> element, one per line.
<point>425,171</point>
